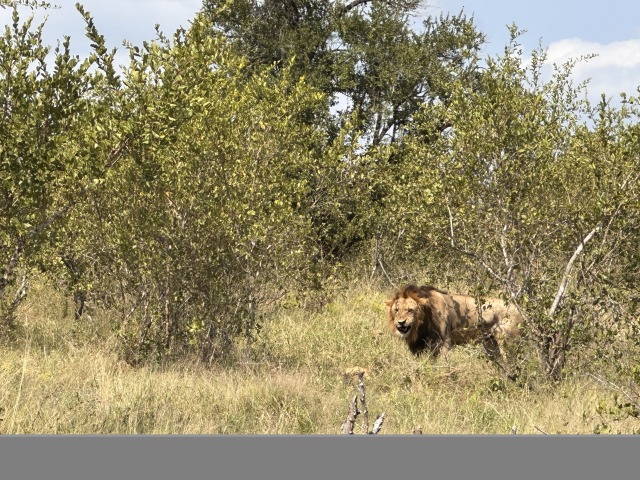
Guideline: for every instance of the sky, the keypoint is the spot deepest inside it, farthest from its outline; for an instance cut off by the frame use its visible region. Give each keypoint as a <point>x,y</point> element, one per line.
<point>567,28</point>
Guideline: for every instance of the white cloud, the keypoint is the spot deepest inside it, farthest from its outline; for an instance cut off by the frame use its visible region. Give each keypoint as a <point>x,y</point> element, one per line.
<point>615,69</point>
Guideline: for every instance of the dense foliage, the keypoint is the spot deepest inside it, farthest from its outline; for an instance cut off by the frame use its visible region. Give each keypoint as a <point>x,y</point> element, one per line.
<point>234,163</point>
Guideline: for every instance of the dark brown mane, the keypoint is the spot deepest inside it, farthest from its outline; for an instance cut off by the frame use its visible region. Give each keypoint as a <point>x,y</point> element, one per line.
<point>415,291</point>
<point>424,335</point>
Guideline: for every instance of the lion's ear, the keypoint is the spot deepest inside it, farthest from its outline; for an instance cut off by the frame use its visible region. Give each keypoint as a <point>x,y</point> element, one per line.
<point>388,303</point>
<point>422,301</point>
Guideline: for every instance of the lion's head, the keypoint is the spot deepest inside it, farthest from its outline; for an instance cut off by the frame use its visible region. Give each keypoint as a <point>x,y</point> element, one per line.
<point>409,316</point>
<point>405,314</point>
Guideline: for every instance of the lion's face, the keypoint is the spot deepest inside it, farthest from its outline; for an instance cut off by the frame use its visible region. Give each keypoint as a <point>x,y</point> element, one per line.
<point>405,314</point>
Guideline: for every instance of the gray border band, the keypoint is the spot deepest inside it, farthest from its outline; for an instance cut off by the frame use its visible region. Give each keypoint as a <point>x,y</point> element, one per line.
<point>319,457</point>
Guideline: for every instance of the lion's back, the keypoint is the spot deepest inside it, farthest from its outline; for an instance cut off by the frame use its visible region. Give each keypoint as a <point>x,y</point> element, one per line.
<point>465,310</point>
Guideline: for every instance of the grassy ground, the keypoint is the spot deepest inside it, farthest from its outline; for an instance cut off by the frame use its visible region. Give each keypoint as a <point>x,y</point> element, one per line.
<point>61,378</point>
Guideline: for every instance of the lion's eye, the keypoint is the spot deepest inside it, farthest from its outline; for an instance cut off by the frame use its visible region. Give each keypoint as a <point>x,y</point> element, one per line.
<point>410,310</point>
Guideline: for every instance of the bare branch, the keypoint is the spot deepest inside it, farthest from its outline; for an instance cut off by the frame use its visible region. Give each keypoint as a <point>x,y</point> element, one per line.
<point>451,226</point>
<point>363,402</point>
<point>377,425</point>
<point>475,256</point>
<point>508,263</point>
<point>347,426</point>
<point>484,264</point>
<point>567,271</point>
<point>391,282</point>
<point>21,293</point>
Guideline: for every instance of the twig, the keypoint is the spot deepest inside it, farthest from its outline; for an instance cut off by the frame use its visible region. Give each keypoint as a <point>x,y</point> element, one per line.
<point>540,430</point>
<point>386,274</point>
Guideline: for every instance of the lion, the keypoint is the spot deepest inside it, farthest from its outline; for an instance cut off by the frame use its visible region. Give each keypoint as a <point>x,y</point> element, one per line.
<point>502,319</point>
<point>430,319</point>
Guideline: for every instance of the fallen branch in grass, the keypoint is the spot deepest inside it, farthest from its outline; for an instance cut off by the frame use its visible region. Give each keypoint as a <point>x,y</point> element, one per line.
<point>377,425</point>
<point>363,401</point>
<point>349,424</point>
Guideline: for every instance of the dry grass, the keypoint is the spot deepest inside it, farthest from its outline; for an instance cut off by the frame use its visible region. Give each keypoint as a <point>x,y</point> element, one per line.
<point>65,378</point>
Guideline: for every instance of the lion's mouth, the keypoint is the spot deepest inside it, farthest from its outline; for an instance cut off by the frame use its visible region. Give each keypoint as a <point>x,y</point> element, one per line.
<point>403,329</point>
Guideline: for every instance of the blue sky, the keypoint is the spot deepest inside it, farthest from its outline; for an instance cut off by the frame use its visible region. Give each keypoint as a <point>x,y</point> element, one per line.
<point>596,21</point>
<point>567,28</point>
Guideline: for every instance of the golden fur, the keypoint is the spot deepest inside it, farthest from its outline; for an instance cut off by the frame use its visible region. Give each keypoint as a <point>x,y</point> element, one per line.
<point>428,318</point>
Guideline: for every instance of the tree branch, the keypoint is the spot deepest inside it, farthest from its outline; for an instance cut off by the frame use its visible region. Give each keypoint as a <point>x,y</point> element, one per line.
<point>347,426</point>
<point>363,401</point>
<point>512,289</point>
<point>353,4</point>
<point>377,425</point>
<point>567,271</point>
<point>475,256</point>
<point>508,262</point>
<point>451,227</point>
